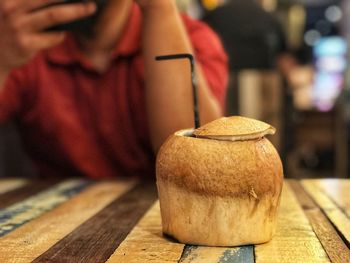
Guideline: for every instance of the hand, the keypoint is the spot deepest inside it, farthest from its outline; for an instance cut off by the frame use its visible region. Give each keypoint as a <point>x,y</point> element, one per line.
<point>23,24</point>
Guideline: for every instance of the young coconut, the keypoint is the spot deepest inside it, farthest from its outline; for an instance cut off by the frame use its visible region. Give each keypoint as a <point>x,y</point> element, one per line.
<point>220,185</point>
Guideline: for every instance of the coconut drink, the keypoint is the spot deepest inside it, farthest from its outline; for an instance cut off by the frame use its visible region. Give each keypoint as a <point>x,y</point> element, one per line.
<point>220,184</point>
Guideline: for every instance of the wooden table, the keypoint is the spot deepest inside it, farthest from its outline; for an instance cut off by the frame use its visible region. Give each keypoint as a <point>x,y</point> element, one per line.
<point>78,220</point>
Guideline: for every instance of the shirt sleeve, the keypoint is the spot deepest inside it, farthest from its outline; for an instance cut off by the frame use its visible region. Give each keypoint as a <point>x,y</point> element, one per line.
<point>10,96</point>
<point>211,56</point>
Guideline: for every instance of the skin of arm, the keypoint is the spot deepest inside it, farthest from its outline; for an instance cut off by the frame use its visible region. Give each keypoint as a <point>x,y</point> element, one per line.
<point>168,83</point>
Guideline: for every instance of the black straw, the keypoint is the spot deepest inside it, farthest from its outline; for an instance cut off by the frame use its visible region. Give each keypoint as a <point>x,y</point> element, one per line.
<point>194,81</point>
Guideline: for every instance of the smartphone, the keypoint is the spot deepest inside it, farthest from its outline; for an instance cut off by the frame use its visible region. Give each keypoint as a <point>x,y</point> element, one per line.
<point>79,24</point>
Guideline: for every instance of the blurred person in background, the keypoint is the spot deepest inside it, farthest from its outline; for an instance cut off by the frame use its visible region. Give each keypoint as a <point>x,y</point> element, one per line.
<point>258,54</point>
<point>94,102</point>
<point>253,37</point>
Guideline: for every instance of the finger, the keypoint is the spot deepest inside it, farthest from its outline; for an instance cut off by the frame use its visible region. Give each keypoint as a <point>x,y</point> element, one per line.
<point>36,42</point>
<point>14,7</point>
<point>38,4</point>
<point>55,15</point>
<point>47,40</point>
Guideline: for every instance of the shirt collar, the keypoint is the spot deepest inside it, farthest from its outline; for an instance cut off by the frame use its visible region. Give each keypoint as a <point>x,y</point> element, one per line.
<point>68,51</point>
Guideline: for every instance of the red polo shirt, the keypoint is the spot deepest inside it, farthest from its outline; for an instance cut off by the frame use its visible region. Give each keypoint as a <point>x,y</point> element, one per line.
<point>76,121</point>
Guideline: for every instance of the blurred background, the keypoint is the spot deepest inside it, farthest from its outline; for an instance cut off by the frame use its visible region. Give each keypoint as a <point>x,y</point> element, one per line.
<point>288,67</point>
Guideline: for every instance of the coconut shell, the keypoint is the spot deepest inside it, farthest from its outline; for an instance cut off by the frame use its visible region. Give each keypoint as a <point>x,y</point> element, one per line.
<point>235,128</point>
<point>219,192</point>
<point>220,168</point>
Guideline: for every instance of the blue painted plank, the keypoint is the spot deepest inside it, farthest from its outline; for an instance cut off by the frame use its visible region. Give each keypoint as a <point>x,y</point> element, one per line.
<point>245,254</point>
<point>201,254</point>
<point>20,213</point>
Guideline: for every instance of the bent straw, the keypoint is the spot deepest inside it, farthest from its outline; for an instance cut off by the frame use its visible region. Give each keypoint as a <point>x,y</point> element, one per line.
<point>193,79</point>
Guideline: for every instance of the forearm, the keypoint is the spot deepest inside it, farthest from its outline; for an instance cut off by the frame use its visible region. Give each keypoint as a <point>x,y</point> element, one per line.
<point>168,83</point>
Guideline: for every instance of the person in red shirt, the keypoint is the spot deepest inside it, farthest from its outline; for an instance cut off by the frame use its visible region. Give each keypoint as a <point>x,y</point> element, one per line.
<point>98,104</point>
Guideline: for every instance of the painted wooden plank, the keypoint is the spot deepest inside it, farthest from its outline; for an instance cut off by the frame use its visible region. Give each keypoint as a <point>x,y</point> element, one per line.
<point>21,213</point>
<point>201,254</point>
<point>302,196</point>
<point>9,184</point>
<point>338,190</point>
<point>339,219</point>
<point>334,246</point>
<point>36,237</point>
<point>294,241</point>
<point>96,239</point>
<point>19,194</point>
<point>146,243</point>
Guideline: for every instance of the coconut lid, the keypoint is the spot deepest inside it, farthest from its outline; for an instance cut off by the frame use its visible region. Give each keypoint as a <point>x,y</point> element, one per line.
<point>234,128</point>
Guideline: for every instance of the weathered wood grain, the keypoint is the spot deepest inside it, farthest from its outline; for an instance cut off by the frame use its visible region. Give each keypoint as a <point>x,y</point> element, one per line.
<point>9,184</point>
<point>338,190</point>
<point>146,243</point>
<point>339,219</point>
<point>304,199</point>
<point>34,238</point>
<point>27,190</point>
<point>95,223</point>
<point>21,213</point>
<point>294,241</point>
<point>201,254</point>
<point>96,239</point>
<point>334,246</point>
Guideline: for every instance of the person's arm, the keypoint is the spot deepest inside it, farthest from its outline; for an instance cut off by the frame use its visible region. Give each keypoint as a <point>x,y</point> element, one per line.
<point>168,83</point>
<point>22,29</point>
